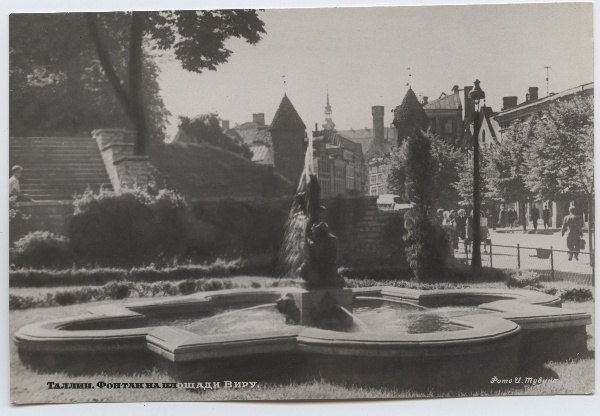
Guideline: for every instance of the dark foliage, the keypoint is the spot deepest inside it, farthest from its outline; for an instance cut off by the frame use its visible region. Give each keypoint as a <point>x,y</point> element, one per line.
<point>42,249</point>
<point>206,128</point>
<point>128,228</point>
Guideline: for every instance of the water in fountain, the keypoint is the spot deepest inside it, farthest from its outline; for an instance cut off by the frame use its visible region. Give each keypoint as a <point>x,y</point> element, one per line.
<point>291,256</point>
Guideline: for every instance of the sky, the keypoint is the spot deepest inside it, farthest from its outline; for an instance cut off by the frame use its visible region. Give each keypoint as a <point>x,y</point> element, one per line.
<point>362,55</point>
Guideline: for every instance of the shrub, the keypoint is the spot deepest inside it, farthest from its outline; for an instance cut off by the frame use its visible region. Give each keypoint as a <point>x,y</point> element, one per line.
<point>128,228</point>
<point>64,298</point>
<point>576,294</point>
<point>42,249</point>
<point>255,285</point>
<point>187,287</point>
<point>212,284</point>
<point>524,279</point>
<point>118,290</point>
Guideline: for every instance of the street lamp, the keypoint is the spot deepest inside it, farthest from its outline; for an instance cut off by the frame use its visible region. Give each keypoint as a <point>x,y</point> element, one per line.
<point>476,95</point>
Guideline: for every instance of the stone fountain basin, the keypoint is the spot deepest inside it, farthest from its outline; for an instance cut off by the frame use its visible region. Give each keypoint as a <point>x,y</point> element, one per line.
<point>525,328</point>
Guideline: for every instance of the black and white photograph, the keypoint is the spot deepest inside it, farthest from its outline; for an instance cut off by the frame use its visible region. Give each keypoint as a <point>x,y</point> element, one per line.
<point>292,204</point>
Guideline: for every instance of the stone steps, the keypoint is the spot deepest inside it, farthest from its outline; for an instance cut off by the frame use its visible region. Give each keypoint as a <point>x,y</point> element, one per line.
<point>56,168</point>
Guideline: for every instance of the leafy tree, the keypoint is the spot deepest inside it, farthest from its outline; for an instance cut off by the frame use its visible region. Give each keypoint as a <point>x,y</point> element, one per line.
<point>57,83</point>
<point>57,52</point>
<point>206,128</point>
<point>428,246</point>
<point>464,185</point>
<point>197,39</point>
<point>508,159</point>
<point>560,160</point>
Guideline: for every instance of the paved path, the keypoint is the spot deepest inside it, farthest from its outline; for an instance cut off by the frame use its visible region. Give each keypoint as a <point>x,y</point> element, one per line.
<point>533,259</point>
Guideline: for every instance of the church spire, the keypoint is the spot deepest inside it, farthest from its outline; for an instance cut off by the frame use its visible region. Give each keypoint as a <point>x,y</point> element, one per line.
<point>329,124</point>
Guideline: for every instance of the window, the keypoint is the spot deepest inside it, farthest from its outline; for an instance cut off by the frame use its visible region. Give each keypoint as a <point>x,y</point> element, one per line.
<point>380,178</point>
<point>373,169</point>
<point>483,136</point>
<point>373,190</point>
<point>350,171</point>
<point>373,179</point>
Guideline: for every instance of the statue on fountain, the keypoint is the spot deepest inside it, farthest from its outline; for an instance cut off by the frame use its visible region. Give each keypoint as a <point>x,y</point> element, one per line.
<point>319,270</point>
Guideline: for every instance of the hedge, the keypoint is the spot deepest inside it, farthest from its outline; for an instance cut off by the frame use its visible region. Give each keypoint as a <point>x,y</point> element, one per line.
<point>100,276</point>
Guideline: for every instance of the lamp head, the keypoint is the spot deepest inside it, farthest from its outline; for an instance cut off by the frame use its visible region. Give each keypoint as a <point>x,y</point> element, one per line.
<point>476,94</point>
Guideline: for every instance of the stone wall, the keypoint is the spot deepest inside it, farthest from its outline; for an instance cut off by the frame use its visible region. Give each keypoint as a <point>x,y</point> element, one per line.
<point>53,216</point>
<point>125,170</point>
<point>368,237</point>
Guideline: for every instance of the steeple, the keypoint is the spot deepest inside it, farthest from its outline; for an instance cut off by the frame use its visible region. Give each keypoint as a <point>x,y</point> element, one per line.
<point>329,124</point>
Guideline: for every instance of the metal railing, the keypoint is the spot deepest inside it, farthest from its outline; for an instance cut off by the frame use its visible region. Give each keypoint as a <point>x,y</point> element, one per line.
<point>551,264</point>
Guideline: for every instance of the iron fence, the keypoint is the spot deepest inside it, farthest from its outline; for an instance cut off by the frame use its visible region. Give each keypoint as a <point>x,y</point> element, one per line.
<point>551,264</point>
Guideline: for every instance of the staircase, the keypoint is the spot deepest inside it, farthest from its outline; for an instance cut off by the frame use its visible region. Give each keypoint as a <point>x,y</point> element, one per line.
<point>56,168</point>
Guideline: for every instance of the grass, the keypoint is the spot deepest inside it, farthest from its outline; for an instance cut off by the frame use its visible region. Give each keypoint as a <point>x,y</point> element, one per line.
<point>27,386</point>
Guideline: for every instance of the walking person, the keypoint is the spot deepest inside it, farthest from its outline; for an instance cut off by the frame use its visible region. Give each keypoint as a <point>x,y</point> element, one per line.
<point>512,217</point>
<point>484,232</point>
<point>535,216</point>
<point>460,222</point>
<point>573,227</point>
<point>503,219</point>
<point>448,225</point>
<point>546,217</point>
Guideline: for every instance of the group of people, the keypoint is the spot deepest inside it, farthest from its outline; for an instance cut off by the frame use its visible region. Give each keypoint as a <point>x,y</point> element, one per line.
<point>509,218</point>
<point>459,227</point>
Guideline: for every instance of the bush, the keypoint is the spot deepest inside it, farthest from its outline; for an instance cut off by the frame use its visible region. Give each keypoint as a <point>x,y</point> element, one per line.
<point>524,279</point>
<point>255,285</point>
<point>42,249</point>
<point>65,298</point>
<point>118,290</point>
<point>128,228</point>
<point>187,287</point>
<point>576,294</point>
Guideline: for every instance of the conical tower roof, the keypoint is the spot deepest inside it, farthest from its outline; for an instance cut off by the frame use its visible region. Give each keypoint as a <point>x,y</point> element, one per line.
<point>410,115</point>
<point>286,117</point>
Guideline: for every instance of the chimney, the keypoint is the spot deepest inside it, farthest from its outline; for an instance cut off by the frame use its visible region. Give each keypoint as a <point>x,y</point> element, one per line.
<point>533,93</point>
<point>469,107</point>
<point>258,119</point>
<point>224,125</point>
<point>377,112</point>
<point>425,100</point>
<point>509,102</point>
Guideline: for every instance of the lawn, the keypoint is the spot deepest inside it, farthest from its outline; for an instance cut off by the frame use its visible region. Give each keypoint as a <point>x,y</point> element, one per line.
<point>572,377</point>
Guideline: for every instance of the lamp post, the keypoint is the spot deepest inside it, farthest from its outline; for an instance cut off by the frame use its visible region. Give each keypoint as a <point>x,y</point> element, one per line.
<point>476,95</point>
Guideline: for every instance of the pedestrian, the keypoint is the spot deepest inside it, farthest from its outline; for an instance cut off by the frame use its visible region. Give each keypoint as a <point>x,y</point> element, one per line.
<point>573,227</point>
<point>534,214</point>
<point>503,217</point>
<point>484,232</point>
<point>14,186</point>
<point>440,216</point>
<point>460,222</point>
<point>546,217</point>
<point>512,217</point>
<point>448,226</point>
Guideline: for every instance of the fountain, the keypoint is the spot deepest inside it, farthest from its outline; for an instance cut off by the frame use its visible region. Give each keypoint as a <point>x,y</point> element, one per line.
<point>376,336</point>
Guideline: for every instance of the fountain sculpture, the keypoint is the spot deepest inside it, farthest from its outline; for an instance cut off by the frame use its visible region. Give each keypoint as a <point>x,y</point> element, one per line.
<point>324,292</point>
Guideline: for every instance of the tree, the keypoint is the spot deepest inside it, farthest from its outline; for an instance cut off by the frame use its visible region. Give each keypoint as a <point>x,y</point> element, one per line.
<point>464,184</point>
<point>206,128</point>
<point>428,246</point>
<point>508,159</point>
<point>560,159</point>
<point>447,160</point>
<point>197,39</point>
<point>57,83</point>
